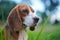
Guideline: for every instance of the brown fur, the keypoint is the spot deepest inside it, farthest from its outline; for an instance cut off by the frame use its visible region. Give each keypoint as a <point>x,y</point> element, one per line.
<point>15,19</point>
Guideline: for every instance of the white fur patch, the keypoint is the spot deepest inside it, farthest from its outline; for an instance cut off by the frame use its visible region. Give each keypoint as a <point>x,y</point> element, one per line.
<point>28,20</point>
<point>22,35</point>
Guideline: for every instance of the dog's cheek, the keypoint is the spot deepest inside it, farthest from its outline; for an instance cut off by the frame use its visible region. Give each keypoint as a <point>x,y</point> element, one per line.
<point>32,28</point>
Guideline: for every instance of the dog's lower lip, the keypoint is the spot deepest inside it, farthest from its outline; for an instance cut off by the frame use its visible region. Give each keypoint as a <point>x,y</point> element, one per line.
<point>32,27</point>
<point>24,25</point>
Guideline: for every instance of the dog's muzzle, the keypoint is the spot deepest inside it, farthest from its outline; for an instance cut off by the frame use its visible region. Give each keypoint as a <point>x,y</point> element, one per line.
<point>36,19</point>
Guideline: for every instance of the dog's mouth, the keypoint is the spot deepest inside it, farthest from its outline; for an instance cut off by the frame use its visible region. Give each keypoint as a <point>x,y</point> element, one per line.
<point>24,25</point>
<point>32,28</point>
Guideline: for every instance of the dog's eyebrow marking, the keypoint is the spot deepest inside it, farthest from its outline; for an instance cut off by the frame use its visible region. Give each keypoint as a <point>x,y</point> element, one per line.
<point>25,11</point>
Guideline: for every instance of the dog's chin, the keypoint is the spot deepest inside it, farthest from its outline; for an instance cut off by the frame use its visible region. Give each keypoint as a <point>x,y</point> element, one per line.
<point>32,28</point>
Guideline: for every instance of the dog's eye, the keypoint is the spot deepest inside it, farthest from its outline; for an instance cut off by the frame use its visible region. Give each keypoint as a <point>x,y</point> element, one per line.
<point>25,11</point>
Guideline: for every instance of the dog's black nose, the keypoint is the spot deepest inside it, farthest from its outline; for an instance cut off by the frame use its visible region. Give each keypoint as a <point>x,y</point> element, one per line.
<point>36,19</point>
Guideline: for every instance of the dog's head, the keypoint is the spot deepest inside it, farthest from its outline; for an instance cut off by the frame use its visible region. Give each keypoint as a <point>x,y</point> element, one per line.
<point>22,14</point>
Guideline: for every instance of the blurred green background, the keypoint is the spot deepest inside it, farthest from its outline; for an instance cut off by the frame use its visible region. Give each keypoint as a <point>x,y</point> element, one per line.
<point>49,12</point>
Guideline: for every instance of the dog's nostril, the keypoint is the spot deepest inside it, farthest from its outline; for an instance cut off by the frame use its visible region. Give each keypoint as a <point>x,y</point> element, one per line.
<point>36,20</point>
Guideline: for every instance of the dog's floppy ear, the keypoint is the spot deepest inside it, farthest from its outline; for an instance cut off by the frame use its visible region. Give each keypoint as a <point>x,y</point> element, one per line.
<point>31,9</point>
<point>14,19</point>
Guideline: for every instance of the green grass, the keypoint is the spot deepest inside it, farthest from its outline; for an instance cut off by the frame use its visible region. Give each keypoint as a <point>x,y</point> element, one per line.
<point>45,32</point>
<point>51,32</point>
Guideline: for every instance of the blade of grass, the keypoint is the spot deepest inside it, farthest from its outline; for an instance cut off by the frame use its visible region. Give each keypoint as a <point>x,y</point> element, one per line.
<point>1,29</point>
<point>37,38</point>
<point>1,36</point>
<point>8,34</point>
<point>0,33</point>
<point>4,35</point>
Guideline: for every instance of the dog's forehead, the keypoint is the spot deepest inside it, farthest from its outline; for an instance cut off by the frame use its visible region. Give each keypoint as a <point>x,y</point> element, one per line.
<point>24,6</point>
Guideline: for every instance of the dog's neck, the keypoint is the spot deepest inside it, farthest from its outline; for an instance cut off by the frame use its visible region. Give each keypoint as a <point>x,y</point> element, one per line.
<point>22,35</point>
<point>18,35</point>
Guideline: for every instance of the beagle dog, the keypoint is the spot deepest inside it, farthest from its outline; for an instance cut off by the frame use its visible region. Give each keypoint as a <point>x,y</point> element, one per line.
<point>20,17</point>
